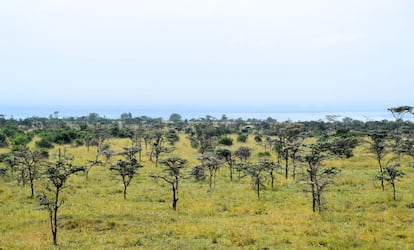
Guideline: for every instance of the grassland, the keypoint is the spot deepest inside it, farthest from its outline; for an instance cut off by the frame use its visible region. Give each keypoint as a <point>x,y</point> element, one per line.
<point>357,213</point>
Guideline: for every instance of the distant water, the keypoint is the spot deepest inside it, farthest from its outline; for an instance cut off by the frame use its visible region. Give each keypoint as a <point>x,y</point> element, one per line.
<point>115,112</point>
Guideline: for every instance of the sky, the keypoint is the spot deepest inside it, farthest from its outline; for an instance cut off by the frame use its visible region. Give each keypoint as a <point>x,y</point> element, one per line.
<point>217,54</point>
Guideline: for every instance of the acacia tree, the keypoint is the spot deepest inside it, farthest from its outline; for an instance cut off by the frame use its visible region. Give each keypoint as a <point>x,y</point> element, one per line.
<point>257,173</point>
<point>100,135</point>
<point>29,160</point>
<point>398,113</point>
<point>288,142</point>
<point>56,175</point>
<point>319,177</point>
<point>295,147</point>
<point>212,163</point>
<point>378,148</point>
<point>127,169</point>
<point>11,163</point>
<point>226,155</point>
<point>172,175</point>
<point>203,136</point>
<point>243,153</point>
<point>157,147</point>
<point>270,166</point>
<point>390,174</point>
<point>93,163</point>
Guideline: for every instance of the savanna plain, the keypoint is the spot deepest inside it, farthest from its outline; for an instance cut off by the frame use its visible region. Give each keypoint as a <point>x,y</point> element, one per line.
<point>355,212</point>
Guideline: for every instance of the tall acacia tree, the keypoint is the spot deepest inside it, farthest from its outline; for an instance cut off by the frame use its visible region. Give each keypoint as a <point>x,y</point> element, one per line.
<point>172,175</point>
<point>378,147</point>
<point>227,156</point>
<point>127,168</point>
<point>288,143</point>
<point>257,173</point>
<point>56,175</point>
<point>390,174</point>
<point>212,163</point>
<point>243,153</point>
<point>319,177</point>
<point>30,160</point>
<point>398,113</point>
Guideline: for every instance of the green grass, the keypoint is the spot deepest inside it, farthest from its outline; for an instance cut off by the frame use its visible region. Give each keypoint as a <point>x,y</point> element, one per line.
<point>357,213</point>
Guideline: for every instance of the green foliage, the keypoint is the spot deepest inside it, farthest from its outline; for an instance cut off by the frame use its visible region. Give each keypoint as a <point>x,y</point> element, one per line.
<point>198,173</point>
<point>174,117</point>
<point>11,131</point>
<point>65,136</point>
<point>242,138</point>
<point>225,140</point>
<point>263,154</point>
<point>258,139</point>
<point>243,153</point>
<point>127,170</point>
<point>172,175</point>
<point>3,140</point>
<point>171,136</point>
<point>44,143</point>
<point>20,140</point>
<point>390,174</point>
<point>121,132</point>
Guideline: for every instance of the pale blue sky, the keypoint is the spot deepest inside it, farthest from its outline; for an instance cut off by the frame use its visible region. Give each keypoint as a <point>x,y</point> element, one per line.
<point>296,54</point>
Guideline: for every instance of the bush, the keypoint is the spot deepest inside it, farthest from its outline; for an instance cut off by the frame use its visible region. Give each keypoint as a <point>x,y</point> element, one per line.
<point>43,143</point>
<point>3,140</point>
<point>198,173</point>
<point>225,140</point>
<point>263,154</point>
<point>242,138</point>
<point>20,140</point>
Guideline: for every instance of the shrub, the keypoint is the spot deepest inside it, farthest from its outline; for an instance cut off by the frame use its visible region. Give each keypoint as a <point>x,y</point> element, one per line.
<point>43,143</point>
<point>3,140</point>
<point>242,138</point>
<point>263,154</point>
<point>198,173</point>
<point>225,140</point>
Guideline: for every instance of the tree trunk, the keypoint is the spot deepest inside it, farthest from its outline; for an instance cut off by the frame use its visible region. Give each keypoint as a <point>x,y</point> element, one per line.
<point>393,189</point>
<point>272,179</point>
<point>31,177</point>
<point>55,211</point>
<point>125,191</point>
<point>175,199</point>
<point>381,172</point>
<point>312,184</point>
<point>214,178</point>
<point>287,164</point>
<point>294,169</point>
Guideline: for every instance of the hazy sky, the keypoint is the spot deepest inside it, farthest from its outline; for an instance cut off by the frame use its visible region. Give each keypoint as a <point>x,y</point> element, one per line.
<point>296,54</point>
